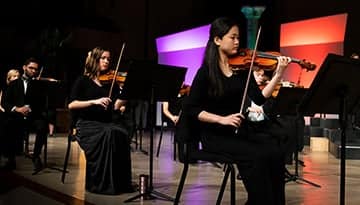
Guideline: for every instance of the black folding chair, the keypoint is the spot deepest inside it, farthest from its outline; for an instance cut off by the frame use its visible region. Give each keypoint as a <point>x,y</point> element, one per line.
<point>71,138</point>
<point>166,124</point>
<point>188,141</point>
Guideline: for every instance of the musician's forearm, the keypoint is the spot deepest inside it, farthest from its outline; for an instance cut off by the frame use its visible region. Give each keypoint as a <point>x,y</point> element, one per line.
<point>76,104</point>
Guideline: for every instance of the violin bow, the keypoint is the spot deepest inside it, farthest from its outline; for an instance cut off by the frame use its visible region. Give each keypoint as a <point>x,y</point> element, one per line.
<point>41,70</point>
<point>249,74</point>
<point>116,70</point>
<point>250,69</point>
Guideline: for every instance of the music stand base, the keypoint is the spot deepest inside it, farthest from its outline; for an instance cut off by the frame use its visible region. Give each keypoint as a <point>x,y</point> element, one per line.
<point>294,177</point>
<point>150,195</point>
<point>48,167</point>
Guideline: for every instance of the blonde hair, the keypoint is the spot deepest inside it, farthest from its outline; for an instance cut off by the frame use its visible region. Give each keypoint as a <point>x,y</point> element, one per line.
<point>12,73</point>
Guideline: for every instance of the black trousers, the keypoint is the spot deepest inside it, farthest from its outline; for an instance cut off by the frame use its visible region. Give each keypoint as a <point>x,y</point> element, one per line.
<point>18,130</point>
<point>2,133</point>
<point>260,161</point>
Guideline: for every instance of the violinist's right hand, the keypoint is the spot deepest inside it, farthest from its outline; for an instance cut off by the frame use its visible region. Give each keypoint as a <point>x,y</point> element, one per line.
<point>174,119</point>
<point>232,120</point>
<point>104,102</point>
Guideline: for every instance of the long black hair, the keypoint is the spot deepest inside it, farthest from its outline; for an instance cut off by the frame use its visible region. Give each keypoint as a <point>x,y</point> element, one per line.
<point>219,27</point>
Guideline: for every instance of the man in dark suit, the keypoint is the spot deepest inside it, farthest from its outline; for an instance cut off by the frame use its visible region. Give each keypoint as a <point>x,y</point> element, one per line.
<point>24,102</point>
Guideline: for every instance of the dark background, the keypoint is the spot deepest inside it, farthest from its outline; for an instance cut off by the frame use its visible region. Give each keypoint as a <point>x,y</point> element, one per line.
<point>60,32</point>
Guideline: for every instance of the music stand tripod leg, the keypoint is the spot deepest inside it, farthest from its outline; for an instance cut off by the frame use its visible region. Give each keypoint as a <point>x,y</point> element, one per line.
<point>294,177</point>
<point>46,166</point>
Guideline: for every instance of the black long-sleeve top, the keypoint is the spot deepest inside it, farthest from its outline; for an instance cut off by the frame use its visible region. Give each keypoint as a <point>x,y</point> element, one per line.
<point>86,89</point>
<point>35,97</point>
<point>229,103</point>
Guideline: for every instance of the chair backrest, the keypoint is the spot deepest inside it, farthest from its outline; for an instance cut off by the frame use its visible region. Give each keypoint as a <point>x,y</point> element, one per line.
<point>187,129</point>
<point>187,135</point>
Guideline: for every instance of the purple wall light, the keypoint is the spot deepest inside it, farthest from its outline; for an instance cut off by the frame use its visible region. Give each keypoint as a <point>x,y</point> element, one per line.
<point>185,49</point>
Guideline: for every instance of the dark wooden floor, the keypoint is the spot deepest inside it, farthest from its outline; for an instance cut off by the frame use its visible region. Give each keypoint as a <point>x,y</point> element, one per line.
<point>202,185</point>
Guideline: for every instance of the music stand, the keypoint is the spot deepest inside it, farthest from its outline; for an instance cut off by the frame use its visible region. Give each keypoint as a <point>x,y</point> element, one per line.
<point>335,90</point>
<point>286,103</point>
<point>152,82</point>
<point>39,91</point>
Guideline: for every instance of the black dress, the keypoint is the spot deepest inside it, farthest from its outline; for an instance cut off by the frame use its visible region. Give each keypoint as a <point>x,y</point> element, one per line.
<point>263,170</point>
<point>106,145</point>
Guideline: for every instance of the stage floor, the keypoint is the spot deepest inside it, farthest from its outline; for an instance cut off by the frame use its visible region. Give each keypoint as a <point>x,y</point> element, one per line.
<point>201,188</point>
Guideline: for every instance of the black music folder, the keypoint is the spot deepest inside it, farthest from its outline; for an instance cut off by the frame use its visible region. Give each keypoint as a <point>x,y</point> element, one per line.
<point>150,81</point>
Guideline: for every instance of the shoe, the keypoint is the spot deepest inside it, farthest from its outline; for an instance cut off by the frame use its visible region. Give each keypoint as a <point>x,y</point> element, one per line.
<point>38,166</point>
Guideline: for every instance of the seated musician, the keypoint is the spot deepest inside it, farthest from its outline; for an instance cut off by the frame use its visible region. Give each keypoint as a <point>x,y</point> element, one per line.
<point>25,107</point>
<point>287,128</point>
<point>172,108</point>
<point>106,145</point>
<point>171,111</point>
<point>215,102</point>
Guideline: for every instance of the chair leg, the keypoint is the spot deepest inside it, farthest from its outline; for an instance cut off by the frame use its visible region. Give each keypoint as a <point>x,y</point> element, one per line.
<point>174,153</point>
<point>135,135</point>
<point>181,183</point>
<point>45,151</point>
<point>26,143</point>
<point>140,139</point>
<point>160,139</point>
<point>232,185</point>
<point>223,185</point>
<point>66,159</point>
<point>225,167</point>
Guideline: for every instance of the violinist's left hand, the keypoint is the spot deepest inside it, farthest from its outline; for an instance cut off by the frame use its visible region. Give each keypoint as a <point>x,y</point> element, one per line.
<point>120,105</point>
<point>122,108</point>
<point>283,62</point>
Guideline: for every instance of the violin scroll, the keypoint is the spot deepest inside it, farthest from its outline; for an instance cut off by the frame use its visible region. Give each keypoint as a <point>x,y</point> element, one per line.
<point>184,90</point>
<point>305,64</point>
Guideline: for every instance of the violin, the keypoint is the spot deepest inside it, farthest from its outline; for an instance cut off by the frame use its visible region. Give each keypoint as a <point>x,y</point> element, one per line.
<point>184,90</point>
<point>53,80</point>
<point>264,60</point>
<point>110,75</point>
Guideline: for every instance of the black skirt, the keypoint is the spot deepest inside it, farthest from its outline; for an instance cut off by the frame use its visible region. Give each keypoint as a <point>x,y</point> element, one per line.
<point>107,152</point>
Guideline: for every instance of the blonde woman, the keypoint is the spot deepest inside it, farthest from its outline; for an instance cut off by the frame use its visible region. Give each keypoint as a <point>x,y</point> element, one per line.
<point>12,74</point>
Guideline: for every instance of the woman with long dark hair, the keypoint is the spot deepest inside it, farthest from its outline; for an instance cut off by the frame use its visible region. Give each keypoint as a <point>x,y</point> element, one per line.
<point>215,100</point>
